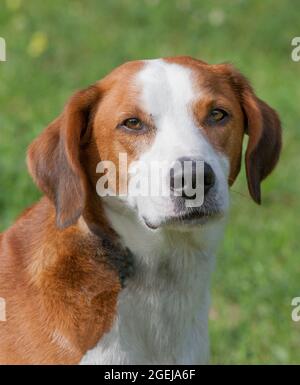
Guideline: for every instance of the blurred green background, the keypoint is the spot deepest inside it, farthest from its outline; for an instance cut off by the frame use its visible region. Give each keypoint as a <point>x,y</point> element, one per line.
<point>57,46</point>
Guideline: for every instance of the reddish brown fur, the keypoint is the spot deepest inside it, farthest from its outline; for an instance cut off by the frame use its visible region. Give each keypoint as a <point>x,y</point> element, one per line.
<point>60,288</point>
<point>54,284</point>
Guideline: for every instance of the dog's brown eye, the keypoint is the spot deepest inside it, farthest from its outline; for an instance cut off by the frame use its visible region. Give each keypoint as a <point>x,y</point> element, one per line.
<point>133,124</point>
<point>217,115</point>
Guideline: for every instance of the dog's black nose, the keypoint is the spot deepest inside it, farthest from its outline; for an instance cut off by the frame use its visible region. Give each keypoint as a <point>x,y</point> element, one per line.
<point>178,180</point>
<point>209,177</point>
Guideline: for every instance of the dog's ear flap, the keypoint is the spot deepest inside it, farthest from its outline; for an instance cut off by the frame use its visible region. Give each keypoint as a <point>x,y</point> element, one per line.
<point>264,144</point>
<point>263,127</point>
<point>54,157</point>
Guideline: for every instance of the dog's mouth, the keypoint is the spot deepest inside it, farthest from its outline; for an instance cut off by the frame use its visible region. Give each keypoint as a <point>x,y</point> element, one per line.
<point>190,218</point>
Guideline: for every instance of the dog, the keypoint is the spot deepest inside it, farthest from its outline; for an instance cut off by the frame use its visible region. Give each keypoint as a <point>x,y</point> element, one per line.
<point>126,279</point>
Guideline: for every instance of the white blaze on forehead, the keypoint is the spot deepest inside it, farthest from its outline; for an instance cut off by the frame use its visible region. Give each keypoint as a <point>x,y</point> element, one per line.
<point>167,91</point>
<point>166,87</point>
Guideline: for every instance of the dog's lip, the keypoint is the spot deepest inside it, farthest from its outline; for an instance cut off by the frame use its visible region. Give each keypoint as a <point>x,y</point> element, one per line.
<point>150,225</point>
<point>187,218</point>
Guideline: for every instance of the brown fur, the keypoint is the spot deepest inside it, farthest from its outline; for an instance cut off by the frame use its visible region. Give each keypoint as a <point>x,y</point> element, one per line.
<point>56,283</point>
<point>59,282</point>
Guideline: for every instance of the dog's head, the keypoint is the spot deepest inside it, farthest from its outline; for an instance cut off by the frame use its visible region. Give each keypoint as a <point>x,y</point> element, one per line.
<point>169,111</point>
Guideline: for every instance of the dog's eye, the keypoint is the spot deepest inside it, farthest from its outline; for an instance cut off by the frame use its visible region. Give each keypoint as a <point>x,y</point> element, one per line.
<point>217,115</point>
<point>133,124</point>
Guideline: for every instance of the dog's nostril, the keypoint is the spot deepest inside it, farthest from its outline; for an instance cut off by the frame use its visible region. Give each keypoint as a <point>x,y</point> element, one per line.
<point>209,178</point>
<point>172,179</point>
<point>178,179</point>
<point>178,182</point>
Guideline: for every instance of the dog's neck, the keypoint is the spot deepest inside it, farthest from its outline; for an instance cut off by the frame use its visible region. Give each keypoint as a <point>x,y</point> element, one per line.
<point>164,306</point>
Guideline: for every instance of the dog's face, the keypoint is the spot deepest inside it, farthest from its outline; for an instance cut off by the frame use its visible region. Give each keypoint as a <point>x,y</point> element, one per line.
<point>158,112</point>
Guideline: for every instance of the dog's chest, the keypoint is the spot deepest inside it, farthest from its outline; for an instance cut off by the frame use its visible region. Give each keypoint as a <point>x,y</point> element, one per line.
<point>162,314</point>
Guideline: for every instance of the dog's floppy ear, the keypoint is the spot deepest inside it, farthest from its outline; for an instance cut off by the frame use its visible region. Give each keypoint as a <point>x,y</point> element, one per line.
<point>54,157</point>
<point>264,144</point>
<point>263,127</point>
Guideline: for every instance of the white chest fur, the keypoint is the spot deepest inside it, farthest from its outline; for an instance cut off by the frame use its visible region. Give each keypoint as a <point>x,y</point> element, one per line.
<point>162,313</point>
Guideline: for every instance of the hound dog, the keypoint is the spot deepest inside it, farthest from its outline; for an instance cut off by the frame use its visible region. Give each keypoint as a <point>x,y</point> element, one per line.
<point>125,279</point>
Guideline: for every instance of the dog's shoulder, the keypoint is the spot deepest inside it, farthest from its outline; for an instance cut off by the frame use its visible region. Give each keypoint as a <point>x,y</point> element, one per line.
<point>60,286</point>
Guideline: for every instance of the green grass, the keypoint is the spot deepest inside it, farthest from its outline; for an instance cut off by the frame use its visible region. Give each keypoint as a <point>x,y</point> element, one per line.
<point>57,46</point>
